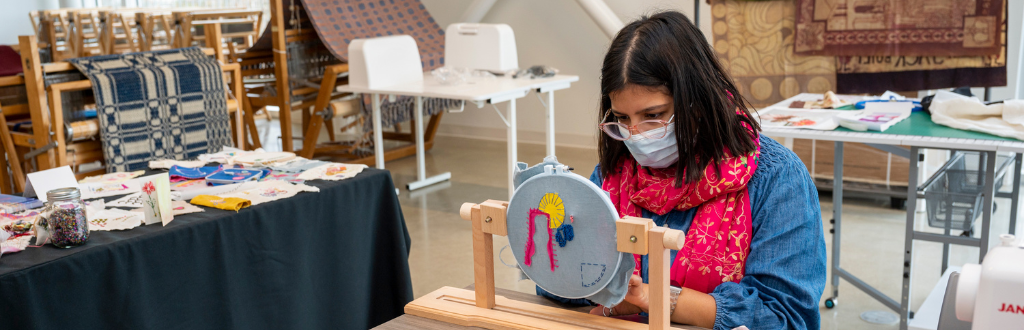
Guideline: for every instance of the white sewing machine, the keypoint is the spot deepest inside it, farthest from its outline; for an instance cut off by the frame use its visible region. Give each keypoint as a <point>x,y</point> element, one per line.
<point>991,295</point>
<point>489,47</point>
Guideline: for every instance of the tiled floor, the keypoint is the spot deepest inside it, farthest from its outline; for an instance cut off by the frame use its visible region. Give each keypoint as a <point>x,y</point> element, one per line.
<point>441,242</point>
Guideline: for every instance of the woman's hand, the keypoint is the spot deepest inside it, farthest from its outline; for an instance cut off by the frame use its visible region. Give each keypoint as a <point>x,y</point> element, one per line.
<point>637,300</point>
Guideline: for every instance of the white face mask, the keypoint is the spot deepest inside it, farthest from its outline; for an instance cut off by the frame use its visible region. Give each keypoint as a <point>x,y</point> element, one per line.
<point>654,153</point>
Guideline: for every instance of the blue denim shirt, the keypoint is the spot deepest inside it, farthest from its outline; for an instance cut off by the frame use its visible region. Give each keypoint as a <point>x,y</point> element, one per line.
<point>785,271</point>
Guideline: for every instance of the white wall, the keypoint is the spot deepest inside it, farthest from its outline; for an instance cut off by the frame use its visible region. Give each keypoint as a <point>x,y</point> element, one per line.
<point>559,34</point>
<point>15,18</point>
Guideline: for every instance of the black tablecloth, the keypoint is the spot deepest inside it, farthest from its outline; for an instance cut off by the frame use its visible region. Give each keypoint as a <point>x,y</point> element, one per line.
<point>337,259</point>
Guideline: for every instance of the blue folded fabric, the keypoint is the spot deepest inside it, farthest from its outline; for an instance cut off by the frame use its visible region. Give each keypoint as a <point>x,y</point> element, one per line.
<point>193,173</point>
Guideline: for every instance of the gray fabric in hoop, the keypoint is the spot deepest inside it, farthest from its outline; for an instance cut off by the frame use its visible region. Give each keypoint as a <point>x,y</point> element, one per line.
<point>589,266</point>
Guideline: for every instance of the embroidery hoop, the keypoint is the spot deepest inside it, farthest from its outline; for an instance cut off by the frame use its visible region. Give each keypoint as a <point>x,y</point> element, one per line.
<point>588,264</point>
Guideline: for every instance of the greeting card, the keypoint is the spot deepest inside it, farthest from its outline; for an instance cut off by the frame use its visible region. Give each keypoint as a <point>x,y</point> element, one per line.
<point>156,198</point>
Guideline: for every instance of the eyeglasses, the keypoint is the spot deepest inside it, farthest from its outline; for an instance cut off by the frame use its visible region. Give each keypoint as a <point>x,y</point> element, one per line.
<point>648,129</point>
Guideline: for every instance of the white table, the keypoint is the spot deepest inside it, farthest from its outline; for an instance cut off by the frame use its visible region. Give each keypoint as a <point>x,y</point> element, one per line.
<point>886,141</point>
<point>480,92</point>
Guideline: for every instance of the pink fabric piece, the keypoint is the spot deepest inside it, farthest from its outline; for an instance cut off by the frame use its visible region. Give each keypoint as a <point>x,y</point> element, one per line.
<point>718,241</point>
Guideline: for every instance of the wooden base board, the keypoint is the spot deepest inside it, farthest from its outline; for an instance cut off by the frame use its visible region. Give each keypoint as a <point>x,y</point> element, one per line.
<point>457,306</point>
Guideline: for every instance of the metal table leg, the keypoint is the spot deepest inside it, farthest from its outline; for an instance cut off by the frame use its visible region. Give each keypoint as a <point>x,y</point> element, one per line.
<point>421,167</point>
<point>986,209</point>
<point>551,124</point>
<point>1015,195</point>
<point>378,135</point>
<point>908,247</point>
<point>837,220</point>
<point>512,145</point>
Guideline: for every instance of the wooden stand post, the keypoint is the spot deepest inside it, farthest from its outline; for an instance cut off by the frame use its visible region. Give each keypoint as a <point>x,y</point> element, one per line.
<point>483,309</point>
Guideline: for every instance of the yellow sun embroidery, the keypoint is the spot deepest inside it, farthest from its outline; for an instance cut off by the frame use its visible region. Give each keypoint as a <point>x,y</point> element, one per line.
<point>552,205</point>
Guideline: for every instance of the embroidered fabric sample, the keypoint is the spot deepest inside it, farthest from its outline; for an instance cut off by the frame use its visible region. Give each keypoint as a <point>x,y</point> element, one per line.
<point>270,191</point>
<point>188,185</point>
<point>183,207</point>
<point>15,243</point>
<point>159,104</point>
<point>224,156</point>
<point>167,163</point>
<point>106,189</point>
<point>332,172</point>
<point>113,219</point>
<point>229,203</point>
<point>298,165</point>
<point>112,177</point>
<point>286,177</point>
<point>130,201</point>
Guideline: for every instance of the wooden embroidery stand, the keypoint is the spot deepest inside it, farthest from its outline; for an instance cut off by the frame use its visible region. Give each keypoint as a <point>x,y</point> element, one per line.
<point>481,308</point>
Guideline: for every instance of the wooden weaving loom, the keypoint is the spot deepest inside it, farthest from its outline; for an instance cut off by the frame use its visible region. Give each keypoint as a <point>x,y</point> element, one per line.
<point>53,138</point>
<point>270,61</point>
<point>482,308</point>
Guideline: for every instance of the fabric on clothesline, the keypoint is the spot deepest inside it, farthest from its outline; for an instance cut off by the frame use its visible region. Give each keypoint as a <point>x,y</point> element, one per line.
<point>877,74</point>
<point>898,28</point>
<point>157,105</point>
<point>401,110</point>
<point>1006,119</point>
<point>338,23</point>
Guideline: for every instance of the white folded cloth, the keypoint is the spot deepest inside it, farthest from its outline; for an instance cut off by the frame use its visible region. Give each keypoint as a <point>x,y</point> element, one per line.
<point>1006,120</point>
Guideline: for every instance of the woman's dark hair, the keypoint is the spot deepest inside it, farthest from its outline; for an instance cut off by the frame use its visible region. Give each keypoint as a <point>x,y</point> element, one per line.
<point>666,51</point>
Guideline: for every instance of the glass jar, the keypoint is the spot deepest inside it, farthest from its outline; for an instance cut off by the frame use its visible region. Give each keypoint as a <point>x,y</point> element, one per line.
<point>65,217</point>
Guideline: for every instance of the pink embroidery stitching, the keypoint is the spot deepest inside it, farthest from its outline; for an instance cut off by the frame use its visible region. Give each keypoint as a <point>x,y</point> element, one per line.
<point>530,249</point>
<point>551,245</point>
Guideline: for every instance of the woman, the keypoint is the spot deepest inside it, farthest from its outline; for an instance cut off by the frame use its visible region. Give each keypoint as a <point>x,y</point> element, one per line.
<point>677,146</point>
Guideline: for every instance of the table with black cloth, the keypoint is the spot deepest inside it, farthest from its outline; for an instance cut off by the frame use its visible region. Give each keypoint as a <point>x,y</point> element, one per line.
<point>337,259</point>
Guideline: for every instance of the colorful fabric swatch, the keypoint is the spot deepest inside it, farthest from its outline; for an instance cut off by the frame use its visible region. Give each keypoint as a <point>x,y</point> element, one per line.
<point>332,172</point>
<point>270,191</point>
<point>112,177</point>
<point>13,204</point>
<point>297,165</point>
<point>228,203</point>
<point>287,177</point>
<point>114,219</point>
<point>167,163</point>
<point>192,173</point>
<point>106,189</point>
<point>235,175</point>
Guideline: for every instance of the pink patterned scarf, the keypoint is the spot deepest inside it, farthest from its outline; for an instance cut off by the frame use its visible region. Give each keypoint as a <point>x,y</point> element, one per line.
<point>718,241</point>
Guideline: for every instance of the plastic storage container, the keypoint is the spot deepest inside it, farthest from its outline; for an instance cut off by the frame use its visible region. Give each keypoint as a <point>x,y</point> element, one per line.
<point>954,194</point>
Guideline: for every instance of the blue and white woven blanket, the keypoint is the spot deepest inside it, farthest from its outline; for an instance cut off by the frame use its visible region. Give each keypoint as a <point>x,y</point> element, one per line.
<point>158,105</point>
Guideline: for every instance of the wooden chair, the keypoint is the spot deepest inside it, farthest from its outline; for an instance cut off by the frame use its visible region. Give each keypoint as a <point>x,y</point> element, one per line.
<point>87,32</point>
<point>57,35</point>
<point>118,32</point>
<point>75,138</point>
<point>241,26</point>
<point>156,30</point>
<point>17,108</point>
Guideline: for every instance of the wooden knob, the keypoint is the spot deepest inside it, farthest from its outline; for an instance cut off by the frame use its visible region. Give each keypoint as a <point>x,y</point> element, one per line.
<point>674,239</point>
<point>466,211</point>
